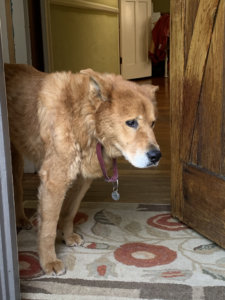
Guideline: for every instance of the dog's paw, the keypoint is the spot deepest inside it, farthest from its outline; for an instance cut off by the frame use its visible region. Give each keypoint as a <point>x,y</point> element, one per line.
<point>74,240</point>
<point>54,268</point>
<point>23,223</point>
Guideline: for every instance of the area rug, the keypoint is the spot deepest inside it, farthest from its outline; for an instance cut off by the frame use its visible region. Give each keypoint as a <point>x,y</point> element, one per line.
<point>131,251</point>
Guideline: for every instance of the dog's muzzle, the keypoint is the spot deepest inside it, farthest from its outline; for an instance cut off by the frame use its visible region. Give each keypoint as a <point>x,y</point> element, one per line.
<point>154,156</point>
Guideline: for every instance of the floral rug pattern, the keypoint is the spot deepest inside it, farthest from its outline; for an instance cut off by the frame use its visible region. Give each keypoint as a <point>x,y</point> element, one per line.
<point>126,243</point>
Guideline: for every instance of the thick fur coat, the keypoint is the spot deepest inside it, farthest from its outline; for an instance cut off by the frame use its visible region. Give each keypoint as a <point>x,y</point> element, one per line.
<point>56,121</point>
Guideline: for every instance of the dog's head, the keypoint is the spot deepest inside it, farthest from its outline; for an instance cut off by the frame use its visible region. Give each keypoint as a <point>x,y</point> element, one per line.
<point>125,118</point>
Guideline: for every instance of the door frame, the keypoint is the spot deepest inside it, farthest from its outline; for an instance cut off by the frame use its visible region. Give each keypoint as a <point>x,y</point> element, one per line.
<point>177,63</point>
<point>9,266</point>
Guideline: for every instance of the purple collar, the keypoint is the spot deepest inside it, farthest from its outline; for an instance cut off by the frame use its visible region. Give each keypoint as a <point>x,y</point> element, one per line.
<point>114,178</point>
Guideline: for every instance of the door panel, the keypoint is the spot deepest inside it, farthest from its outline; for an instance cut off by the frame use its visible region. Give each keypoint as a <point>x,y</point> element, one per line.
<point>197,115</point>
<point>203,196</point>
<point>210,143</point>
<point>191,9</point>
<point>194,71</point>
<point>134,38</point>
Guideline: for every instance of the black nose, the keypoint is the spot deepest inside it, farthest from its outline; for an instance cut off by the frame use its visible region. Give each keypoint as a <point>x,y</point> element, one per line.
<point>154,155</point>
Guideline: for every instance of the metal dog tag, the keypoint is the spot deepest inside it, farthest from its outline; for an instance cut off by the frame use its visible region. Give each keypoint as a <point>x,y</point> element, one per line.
<point>115,193</point>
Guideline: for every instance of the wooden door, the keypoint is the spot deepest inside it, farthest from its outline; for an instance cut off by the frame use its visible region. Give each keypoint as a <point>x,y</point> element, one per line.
<point>198,115</point>
<point>135,31</point>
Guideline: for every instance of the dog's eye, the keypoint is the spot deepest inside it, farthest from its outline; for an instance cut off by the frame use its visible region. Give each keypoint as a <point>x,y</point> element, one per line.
<point>153,124</point>
<point>132,123</point>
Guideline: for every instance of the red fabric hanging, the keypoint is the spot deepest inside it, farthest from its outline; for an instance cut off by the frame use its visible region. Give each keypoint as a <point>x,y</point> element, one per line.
<point>160,35</point>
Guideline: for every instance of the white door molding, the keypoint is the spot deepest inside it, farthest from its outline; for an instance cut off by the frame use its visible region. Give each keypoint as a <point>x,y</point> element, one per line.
<point>135,33</point>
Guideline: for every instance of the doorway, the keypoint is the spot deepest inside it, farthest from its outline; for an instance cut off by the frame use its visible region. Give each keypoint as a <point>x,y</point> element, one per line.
<point>136,185</point>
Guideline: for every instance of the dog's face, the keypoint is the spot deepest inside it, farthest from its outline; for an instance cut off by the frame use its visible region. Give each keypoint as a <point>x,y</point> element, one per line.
<point>125,119</point>
<point>134,117</point>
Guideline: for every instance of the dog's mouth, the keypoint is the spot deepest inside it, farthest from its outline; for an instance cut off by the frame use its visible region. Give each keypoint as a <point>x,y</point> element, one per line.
<point>151,164</point>
<point>143,160</point>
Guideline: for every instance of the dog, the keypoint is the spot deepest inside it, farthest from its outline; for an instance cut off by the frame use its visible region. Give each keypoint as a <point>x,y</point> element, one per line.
<point>56,120</point>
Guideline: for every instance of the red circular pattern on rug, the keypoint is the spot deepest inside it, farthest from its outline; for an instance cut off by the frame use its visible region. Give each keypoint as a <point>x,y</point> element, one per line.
<point>156,255</point>
<point>80,218</point>
<point>29,265</point>
<point>166,222</point>
<point>102,270</point>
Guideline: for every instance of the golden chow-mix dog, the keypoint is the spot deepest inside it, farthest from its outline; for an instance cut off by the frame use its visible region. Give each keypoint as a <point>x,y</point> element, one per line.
<point>56,121</point>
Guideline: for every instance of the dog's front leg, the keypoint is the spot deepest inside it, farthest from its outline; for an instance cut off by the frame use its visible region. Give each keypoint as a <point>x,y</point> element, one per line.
<point>54,184</point>
<point>69,210</point>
